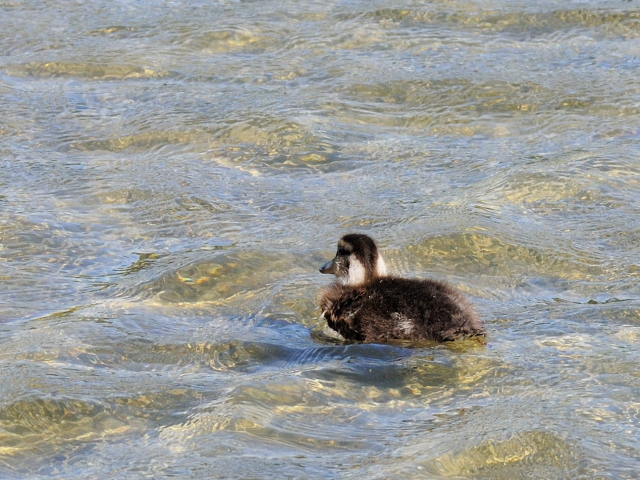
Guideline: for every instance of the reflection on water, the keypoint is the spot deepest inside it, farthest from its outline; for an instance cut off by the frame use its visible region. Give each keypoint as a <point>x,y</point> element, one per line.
<point>173,175</point>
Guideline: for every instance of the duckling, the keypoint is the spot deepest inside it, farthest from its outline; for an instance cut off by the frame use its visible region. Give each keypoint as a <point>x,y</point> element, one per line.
<point>364,303</point>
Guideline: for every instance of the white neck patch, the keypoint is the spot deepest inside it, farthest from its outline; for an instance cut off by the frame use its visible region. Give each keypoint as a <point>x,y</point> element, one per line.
<point>381,267</point>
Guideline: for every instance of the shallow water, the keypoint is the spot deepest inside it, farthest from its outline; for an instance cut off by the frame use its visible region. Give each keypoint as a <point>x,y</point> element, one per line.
<point>173,175</point>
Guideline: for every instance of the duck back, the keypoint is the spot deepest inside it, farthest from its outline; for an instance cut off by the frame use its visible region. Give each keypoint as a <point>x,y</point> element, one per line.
<point>391,308</point>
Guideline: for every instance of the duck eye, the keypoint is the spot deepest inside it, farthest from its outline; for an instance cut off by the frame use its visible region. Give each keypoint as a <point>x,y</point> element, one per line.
<point>342,262</point>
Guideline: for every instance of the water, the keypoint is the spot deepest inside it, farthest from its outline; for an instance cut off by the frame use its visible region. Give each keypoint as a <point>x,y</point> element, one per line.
<point>173,174</point>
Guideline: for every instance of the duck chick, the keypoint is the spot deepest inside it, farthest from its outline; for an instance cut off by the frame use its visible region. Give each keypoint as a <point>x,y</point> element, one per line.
<point>366,304</point>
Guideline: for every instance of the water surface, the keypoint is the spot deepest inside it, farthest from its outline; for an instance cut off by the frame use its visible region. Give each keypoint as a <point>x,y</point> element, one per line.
<point>173,175</point>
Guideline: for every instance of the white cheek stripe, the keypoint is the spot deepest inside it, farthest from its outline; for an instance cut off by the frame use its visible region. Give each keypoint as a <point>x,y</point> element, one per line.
<point>357,273</point>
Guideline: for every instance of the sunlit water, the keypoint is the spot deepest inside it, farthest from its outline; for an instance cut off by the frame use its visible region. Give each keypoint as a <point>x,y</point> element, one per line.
<point>174,173</point>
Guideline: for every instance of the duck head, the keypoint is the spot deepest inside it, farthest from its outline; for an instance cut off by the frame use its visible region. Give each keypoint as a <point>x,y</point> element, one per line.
<point>357,261</point>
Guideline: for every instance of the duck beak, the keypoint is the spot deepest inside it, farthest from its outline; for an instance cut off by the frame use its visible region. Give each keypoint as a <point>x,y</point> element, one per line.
<point>328,267</point>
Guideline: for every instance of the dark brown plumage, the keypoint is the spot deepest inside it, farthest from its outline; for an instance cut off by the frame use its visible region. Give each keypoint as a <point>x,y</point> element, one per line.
<point>366,304</point>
